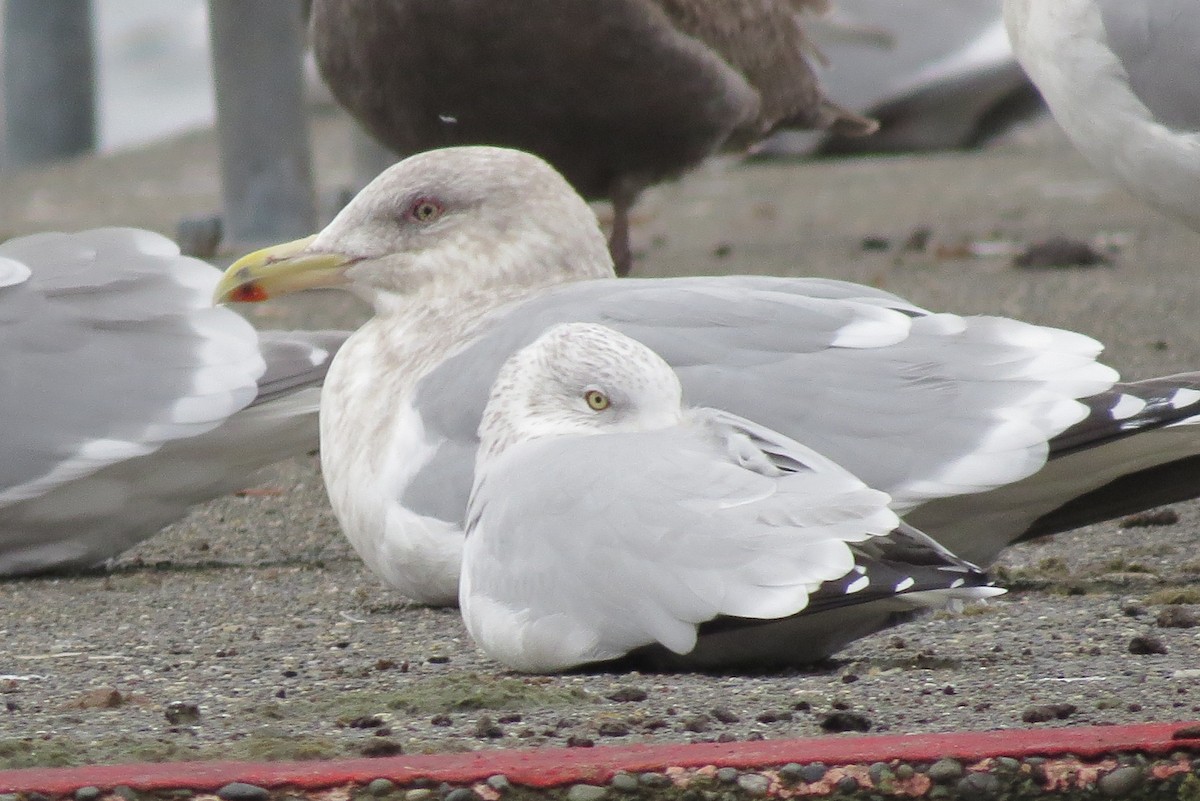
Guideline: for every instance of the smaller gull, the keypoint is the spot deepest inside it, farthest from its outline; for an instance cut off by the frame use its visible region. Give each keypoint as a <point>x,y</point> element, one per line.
<point>126,398</point>
<point>607,519</point>
<point>1123,80</point>
<point>617,95</point>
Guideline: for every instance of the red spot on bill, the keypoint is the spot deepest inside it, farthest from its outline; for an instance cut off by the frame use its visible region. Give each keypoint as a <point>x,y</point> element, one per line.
<point>248,293</point>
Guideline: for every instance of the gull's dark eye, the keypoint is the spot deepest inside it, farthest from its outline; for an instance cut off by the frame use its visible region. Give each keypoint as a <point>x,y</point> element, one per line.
<point>596,399</point>
<point>425,209</point>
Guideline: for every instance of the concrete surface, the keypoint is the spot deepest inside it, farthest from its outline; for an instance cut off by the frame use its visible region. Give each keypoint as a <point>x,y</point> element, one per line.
<point>250,630</point>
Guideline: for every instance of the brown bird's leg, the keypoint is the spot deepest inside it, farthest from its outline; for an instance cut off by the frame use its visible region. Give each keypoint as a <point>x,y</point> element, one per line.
<point>623,195</point>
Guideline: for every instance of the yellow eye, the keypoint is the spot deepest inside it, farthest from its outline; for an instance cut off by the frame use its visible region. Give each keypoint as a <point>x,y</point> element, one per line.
<point>425,209</point>
<point>596,399</point>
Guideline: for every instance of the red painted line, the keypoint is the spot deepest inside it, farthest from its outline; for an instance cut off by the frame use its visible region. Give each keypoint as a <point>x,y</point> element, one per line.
<point>549,767</point>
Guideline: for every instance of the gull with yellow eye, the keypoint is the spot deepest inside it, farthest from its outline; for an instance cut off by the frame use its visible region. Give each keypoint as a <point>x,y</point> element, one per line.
<point>984,431</point>
<point>678,537</point>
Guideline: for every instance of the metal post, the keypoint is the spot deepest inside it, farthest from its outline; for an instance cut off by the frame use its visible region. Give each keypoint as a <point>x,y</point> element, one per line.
<point>262,128</point>
<point>48,82</point>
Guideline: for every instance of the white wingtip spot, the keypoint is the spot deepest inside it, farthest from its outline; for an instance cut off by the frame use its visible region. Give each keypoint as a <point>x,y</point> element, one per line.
<point>858,585</point>
<point>1184,397</point>
<point>904,584</point>
<point>954,585</point>
<point>1127,406</point>
<point>317,356</point>
<point>12,272</point>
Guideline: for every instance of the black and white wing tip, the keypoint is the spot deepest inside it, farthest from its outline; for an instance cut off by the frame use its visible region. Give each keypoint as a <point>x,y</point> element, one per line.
<point>909,567</point>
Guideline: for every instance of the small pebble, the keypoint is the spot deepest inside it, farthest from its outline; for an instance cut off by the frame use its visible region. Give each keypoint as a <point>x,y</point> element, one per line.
<point>126,793</point>
<point>9,797</point>
<point>612,728</point>
<point>792,772</point>
<point>1146,644</point>
<point>845,721</point>
<point>1177,617</point>
<point>381,787</point>
<point>462,794</point>
<point>1008,764</point>
<point>1060,251</point>
<point>727,775</point>
<point>945,771</point>
<point>774,717</point>
<point>181,713</point>
<point>1121,782</point>
<point>487,729</point>
<point>628,694</point>
<point>89,793</point>
<point>652,779</point>
<point>625,782</point>
<point>813,772</point>
<point>240,791</point>
<point>904,771</point>
<point>755,785</point>
<point>586,792</point>
<point>879,771</point>
<point>979,785</point>
<point>1045,712</point>
<point>499,783</point>
<point>724,715</point>
<point>419,794</point>
<point>847,785</point>
<point>381,747</point>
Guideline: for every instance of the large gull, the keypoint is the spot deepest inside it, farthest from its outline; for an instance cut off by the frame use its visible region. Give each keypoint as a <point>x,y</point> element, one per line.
<point>617,95</point>
<point>984,430</point>
<point>126,397</point>
<point>1123,80</point>
<point>608,521</point>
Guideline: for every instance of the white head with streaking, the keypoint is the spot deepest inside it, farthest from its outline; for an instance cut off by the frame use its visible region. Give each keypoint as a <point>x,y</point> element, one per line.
<point>439,221</point>
<point>579,379</point>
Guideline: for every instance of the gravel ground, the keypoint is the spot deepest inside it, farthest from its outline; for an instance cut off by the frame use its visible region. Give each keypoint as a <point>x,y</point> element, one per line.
<point>250,630</point>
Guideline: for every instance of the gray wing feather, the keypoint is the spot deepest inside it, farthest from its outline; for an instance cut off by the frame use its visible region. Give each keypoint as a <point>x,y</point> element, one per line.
<point>915,404</point>
<point>111,348</point>
<point>639,537</point>
<point>125,397</point>
<point>1158,45</point>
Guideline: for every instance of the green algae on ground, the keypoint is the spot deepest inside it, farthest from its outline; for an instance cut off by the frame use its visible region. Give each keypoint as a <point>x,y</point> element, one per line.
<point>462,692</point>
<point>60,752</point>
<point>1174,595</point>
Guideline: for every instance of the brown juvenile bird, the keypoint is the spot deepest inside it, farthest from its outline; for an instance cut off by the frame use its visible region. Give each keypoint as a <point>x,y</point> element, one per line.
<point>616,94</point>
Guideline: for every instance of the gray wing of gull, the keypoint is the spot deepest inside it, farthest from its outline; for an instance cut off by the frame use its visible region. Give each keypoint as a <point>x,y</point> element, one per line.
<point>637,537</point>
<point>123,388</point>
<point>1158,45</point>
<point>915,404</point>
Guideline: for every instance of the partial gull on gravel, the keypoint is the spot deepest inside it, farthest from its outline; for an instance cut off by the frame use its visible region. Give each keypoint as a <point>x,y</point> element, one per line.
<point>984,430</point>
<point>1123,80</point>
<point>126,397</point>
<point>616,95</point>
<point>609,522</point>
